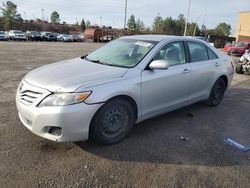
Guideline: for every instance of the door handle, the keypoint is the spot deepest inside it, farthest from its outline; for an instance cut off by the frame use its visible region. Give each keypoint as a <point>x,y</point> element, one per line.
<point>217,64</point>
<point>186,71</point>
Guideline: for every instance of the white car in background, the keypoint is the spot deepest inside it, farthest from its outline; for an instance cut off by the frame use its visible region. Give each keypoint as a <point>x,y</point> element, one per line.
<point>65,38</point>
<point>3,35</point>
<point>77,38</point>
<point>17,35</point>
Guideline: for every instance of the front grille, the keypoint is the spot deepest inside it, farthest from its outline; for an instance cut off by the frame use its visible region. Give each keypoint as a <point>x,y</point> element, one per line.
<point>28,94</point>
<point>29,97</point>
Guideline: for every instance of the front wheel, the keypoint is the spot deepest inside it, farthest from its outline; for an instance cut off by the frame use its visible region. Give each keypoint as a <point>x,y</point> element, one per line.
<point>112,122</point>
<point>217,93</point>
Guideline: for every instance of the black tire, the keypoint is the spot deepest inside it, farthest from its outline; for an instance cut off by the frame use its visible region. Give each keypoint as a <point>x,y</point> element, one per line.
<point>239,69</point>
<point>217,93</point>
<point>112,122</point>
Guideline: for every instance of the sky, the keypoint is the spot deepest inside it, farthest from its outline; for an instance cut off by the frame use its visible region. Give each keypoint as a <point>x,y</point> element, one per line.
<point>111,12</point>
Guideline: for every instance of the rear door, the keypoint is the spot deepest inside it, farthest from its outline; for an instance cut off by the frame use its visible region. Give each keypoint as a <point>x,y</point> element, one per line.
<point>205,67</point>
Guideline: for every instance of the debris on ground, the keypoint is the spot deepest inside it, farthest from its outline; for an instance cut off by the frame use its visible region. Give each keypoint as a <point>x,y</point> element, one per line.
<point>236,145</point>
<point>190,115</point>
<point>184,138</point>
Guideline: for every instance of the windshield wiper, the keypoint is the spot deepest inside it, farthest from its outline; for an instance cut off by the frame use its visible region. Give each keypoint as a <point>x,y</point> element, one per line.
<point>84,56</point>
<point>97,61</point>
<point>102,62</point>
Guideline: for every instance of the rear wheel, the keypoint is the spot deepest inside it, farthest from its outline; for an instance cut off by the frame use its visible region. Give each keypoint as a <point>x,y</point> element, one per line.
<point>217,93</point>
<point>112,122</point>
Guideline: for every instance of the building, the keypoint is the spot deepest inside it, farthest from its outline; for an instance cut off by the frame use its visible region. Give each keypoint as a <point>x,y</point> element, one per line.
<point>93,34</point>
<point>243,26</point>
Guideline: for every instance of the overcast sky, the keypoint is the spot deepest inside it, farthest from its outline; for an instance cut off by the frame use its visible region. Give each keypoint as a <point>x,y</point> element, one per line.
<point>112,11</point>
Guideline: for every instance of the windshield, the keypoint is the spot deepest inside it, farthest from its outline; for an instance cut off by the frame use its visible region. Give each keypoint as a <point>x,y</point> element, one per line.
<point>241,44</point>
<point>1,32</point>
<point>18,32</point>
<point>34,32</point>
<point>122,52</point>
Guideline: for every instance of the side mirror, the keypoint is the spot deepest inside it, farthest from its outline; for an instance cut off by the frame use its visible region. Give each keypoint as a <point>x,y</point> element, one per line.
<point>159,65</point>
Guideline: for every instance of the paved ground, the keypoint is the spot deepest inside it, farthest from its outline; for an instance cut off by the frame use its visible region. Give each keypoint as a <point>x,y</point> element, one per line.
<point>152,156</point>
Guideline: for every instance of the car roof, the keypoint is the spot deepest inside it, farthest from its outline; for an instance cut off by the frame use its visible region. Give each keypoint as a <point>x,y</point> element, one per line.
<point>159,38</point>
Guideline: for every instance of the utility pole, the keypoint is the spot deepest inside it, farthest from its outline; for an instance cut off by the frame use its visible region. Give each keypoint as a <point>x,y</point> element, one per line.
<point>126,9</point>
<point>42,14</point>
<point>197,22</point>
<point>100,21</point>
<point>186,24</point>
<point>43,24</point>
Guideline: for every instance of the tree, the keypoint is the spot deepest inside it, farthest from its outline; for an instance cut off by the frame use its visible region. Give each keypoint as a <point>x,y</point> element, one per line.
<point>180,25</point>
<point>169,26</point>
<point>88,23</point>
<point>203,30</point>
<point>157,25</point>
<point>83,25</point>
<point>1,23</point>
<point>9,12</point>
<point>131,23</point>
<point>139,26</point>
<point>77,27</point>
<point>223,29</point>
<point>55,17</point>
<point>193,27</point>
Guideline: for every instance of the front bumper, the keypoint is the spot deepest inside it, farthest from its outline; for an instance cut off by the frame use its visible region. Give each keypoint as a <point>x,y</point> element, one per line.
<point>20,37</point>
<point>236,52</point>
<point>74,120</point>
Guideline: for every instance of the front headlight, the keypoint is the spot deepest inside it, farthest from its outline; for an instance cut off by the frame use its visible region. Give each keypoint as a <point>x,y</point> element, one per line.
<point>64,99</point>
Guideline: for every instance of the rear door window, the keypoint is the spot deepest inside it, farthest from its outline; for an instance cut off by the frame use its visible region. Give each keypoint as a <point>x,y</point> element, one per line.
<point>211,54</point>
<point>197,51</point>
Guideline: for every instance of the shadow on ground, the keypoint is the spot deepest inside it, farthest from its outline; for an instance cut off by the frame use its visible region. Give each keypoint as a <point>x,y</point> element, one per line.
<point>157,140</point>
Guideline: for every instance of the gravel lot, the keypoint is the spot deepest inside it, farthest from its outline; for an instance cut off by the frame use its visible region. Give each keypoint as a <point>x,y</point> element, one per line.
<point>152,156</point>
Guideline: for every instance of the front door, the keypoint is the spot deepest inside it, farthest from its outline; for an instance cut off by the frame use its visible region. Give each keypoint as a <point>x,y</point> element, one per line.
<point>164,90</point>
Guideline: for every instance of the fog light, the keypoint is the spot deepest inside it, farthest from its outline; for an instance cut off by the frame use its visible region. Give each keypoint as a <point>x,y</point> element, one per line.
<point>56,131</point>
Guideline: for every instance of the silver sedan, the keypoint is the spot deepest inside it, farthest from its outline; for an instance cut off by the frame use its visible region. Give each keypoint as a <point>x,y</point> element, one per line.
<point>103,94</point>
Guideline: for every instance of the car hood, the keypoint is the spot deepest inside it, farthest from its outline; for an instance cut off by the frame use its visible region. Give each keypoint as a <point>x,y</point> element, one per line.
<point>69,75</point>
<point>20,34</point>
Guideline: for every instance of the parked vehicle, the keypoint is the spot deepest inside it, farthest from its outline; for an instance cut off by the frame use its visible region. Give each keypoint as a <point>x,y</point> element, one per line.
<point>3,35</point>
<point>101,95</point>
<point>206,39</point>
<point>243,66</point>
<point>17,35</point>
<point>33,36</point>
<point>227,47</point>
<point>7,35</point>
<point>82,37</point>
<point>239,48</point>
<point>65,38</point>
<point>48,36</point>
<point>77,38</point>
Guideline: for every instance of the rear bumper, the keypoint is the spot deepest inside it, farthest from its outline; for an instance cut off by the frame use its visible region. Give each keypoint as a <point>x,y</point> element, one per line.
<point>74,120</point>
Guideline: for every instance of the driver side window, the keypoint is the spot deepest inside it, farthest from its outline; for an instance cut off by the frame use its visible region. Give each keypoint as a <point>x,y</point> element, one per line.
<point>173,53</point>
